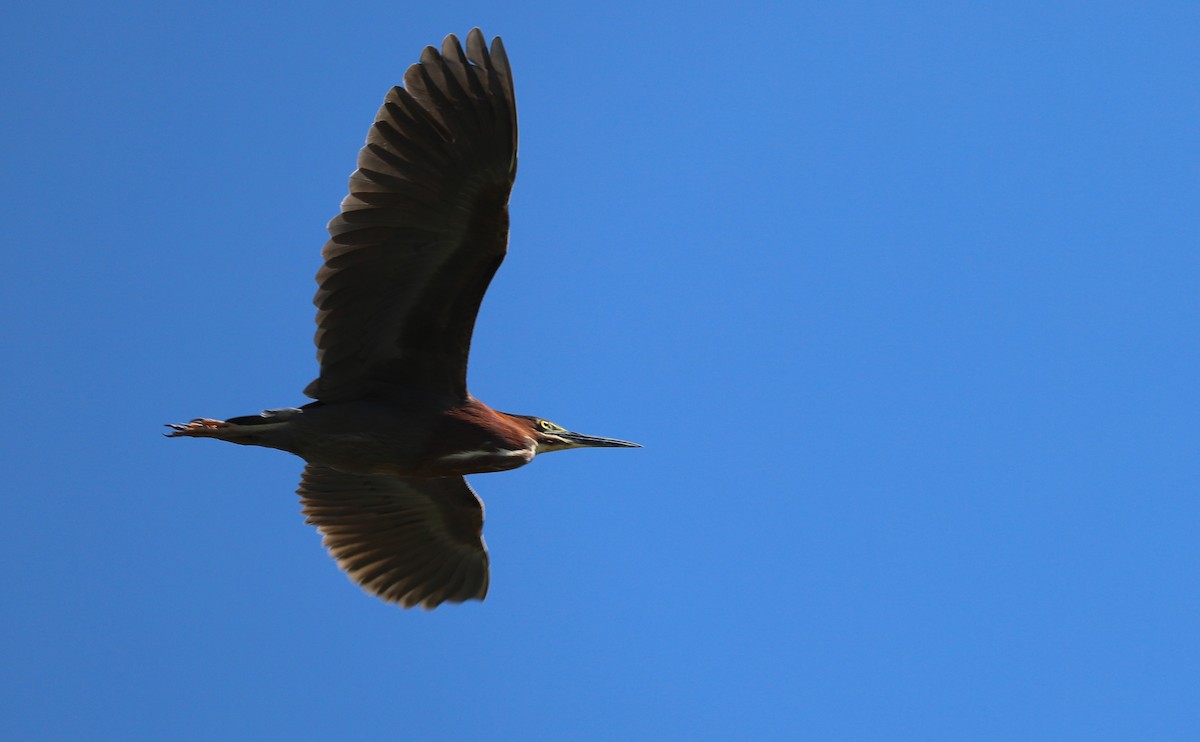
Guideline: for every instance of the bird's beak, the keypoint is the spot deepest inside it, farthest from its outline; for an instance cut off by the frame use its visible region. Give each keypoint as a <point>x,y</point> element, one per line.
<point>579,440</point>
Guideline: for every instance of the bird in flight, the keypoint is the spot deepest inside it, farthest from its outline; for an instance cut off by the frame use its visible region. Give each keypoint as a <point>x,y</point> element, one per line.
<point>393,428</point>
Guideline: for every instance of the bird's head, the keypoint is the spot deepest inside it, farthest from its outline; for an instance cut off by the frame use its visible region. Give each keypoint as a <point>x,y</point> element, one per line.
<point>551,437</point>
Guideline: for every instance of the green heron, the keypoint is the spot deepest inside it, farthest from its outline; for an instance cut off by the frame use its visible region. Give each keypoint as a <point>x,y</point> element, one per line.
<point>393,428</point>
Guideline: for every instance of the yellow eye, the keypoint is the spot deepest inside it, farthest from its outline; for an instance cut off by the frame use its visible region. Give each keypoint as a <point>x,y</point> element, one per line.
<point>549,427</point>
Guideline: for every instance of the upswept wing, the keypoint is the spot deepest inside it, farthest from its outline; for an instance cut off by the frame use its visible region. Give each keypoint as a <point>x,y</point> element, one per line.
<point>408,541</point>
<point>422,232</point>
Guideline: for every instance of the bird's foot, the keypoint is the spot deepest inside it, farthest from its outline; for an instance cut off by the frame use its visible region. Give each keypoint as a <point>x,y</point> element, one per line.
<point>201,427</point>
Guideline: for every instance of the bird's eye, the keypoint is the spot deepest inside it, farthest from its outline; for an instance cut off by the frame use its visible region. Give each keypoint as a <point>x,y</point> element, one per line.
<point>549,426</point>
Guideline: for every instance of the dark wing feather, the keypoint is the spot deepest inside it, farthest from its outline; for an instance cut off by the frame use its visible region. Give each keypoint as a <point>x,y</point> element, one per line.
<point>422,232</point>
<point>408,541</point>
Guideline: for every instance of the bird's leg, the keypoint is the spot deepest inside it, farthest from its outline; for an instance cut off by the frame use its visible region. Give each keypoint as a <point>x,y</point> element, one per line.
<point>272,429</point>
<point>201,427</point>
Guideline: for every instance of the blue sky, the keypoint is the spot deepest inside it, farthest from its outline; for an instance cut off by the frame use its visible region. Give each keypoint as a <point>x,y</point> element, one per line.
<point>901,299</point>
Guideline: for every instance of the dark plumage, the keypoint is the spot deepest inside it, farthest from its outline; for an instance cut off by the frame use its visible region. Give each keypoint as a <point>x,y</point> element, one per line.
<point>393,427</point>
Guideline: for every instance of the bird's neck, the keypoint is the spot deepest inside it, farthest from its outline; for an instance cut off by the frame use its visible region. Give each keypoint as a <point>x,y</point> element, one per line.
<point>474,438</point>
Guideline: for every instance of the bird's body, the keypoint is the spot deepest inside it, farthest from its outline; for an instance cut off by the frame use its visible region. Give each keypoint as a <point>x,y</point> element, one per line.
<point>393,428</point>
<point>412,439</point>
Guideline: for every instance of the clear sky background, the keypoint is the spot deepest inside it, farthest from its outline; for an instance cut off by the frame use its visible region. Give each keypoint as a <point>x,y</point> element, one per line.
<point>901,299</point>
